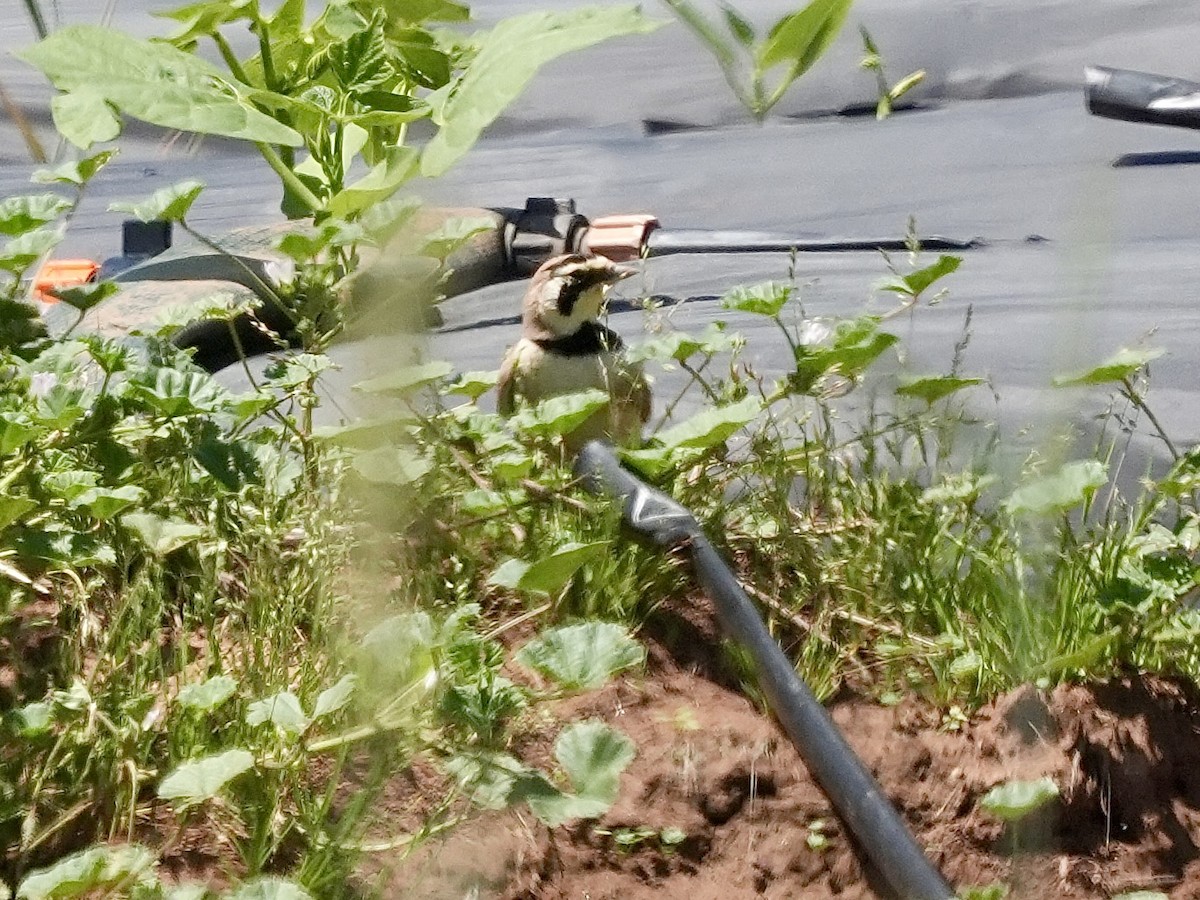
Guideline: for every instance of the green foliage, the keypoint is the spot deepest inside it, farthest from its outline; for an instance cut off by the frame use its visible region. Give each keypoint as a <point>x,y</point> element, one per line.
<point>794,43</point>
<point>98,869</point>
<point>201,780</point>
<point>584,656</point>
<point>1014,800</point>
<point>886,94</point>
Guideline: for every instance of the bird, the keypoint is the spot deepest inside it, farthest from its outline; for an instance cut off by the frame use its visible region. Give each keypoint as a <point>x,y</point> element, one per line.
<point>564,350</point>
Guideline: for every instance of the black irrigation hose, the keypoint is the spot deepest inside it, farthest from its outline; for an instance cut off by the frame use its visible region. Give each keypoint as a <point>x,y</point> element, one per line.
<point>852,790</point>
<point>1142,97</point>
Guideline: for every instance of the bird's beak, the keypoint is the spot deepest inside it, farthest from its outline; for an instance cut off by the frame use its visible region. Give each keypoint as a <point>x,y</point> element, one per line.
<point>620,273</point>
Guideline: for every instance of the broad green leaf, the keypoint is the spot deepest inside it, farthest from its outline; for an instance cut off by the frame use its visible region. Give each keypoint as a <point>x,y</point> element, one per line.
<point>560,415</point>
<point>377,185</point>
<point>855,345</point>
<point>175,392</point>
<point>334,698</point>
<point>917,282</point>
<point>85,296</point>
<point>491,778</point>
<point>22,252</point>
<point>801,38</point>
<point>169,204</point>
<point>268,889</point>
<point>474,384</point>
<point>551,573</point>
<point>207,695</point>
<point>509,574</point>
<point>77,173</point>
<point>507,61</point>
<point>21,214</point>
<point>94,872</point>
<point>202,779</point>
<point>13,508</point>
<point>1124,364</point>
<point>202,19</point>
<point>154,82</point>
<point>417,11</point>
<point>1068,487</point>
<point>34,718</point>
<point>16,430</point>
<point>104,503</point>
<point>399,652</point>
<point>283,710</point>
<point>593,755</point>
<point>406,380</point>
<point>1014,800</point>
<point>85,117</point>
<point>510,466</point>
<point>935,388</point>
<point>582,657</point>
<point>681,347</point>
<point>453,233</point>
<point>161,535</point>
<point>186,892</point>
<point>397,466</point>
<point>712,426</point>
<point>765,299</point>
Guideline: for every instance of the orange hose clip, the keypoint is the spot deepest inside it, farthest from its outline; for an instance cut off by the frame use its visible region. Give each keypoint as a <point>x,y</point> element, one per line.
<point>63,273</point>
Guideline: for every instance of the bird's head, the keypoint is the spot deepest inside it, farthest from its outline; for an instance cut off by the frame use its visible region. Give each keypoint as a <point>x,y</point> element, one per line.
<point>567,292</point>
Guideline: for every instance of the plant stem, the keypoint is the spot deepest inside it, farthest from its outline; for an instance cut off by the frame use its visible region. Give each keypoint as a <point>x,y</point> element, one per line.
<point>289,178</point>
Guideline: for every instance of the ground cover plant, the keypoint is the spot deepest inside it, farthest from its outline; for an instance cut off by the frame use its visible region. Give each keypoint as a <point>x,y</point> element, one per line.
<point>230,639</point>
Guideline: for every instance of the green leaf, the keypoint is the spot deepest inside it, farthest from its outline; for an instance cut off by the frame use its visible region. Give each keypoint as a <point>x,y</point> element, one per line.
<point>99,870</point>
<point>1014,800</point>
<point>13,508</point>
<point>1066,488</point>
<point>16,430</point>
<point>84,118</point>
<point>19,215</point>
<point>85,296</point>
<point>170,204</point>
<point>22,252</point>
<point>332,699</point>
<point>1142,895</point>
<point>507,61</point>
<point>152,81</point>
<point>34,718</point>
<point>161,535</point>
<point>1124,364</point>
<point>407,379</point>
<point>711,427</point>
<point>560,415</point>
<point>491,778</point>
<point>551,573</point>
<point>915,283</point>
<point>104,503</point>
<point>738,26</point>
<point>906,84</point>
<point>207,695</point>
<point>474,384</point>
<point>400,164</point>
<point>453,233</point>
<point>269,889</point>
<point>593,755</point>
<point>175,392</point>
<point>397,466</point>
<point>935,388</point>
<point>681,347</point>
<point>582,657</point>
<point>765,299</point>
<point>202,779</point>
<point>76,173</point>
<point>856,344</point>
<point>801,38</point>
<point>283,710</point>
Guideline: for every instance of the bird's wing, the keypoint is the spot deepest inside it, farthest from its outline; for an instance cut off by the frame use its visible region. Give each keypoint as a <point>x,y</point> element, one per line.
<point>506,384</point>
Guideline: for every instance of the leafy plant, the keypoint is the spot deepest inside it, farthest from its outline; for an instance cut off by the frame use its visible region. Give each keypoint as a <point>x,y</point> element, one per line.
<point>792,45</point>
<point>887,95</point>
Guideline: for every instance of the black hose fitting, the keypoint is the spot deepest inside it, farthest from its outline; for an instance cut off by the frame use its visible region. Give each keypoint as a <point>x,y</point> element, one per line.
<point>1142,97</point>
<point>853,792</point>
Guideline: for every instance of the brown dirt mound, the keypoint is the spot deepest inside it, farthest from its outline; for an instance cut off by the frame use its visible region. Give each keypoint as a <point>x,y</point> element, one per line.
<point>1125,756</point>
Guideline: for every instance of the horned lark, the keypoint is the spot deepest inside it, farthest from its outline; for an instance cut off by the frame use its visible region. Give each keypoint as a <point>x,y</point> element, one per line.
<point>563,350</point>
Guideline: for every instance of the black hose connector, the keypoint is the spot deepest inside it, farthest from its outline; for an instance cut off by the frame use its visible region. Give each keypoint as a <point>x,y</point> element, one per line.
<point>853,792</point>
<point>1142,97</point>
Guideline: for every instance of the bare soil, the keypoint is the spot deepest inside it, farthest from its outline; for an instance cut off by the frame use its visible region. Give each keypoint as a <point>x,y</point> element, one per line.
<point>1125,756</point>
